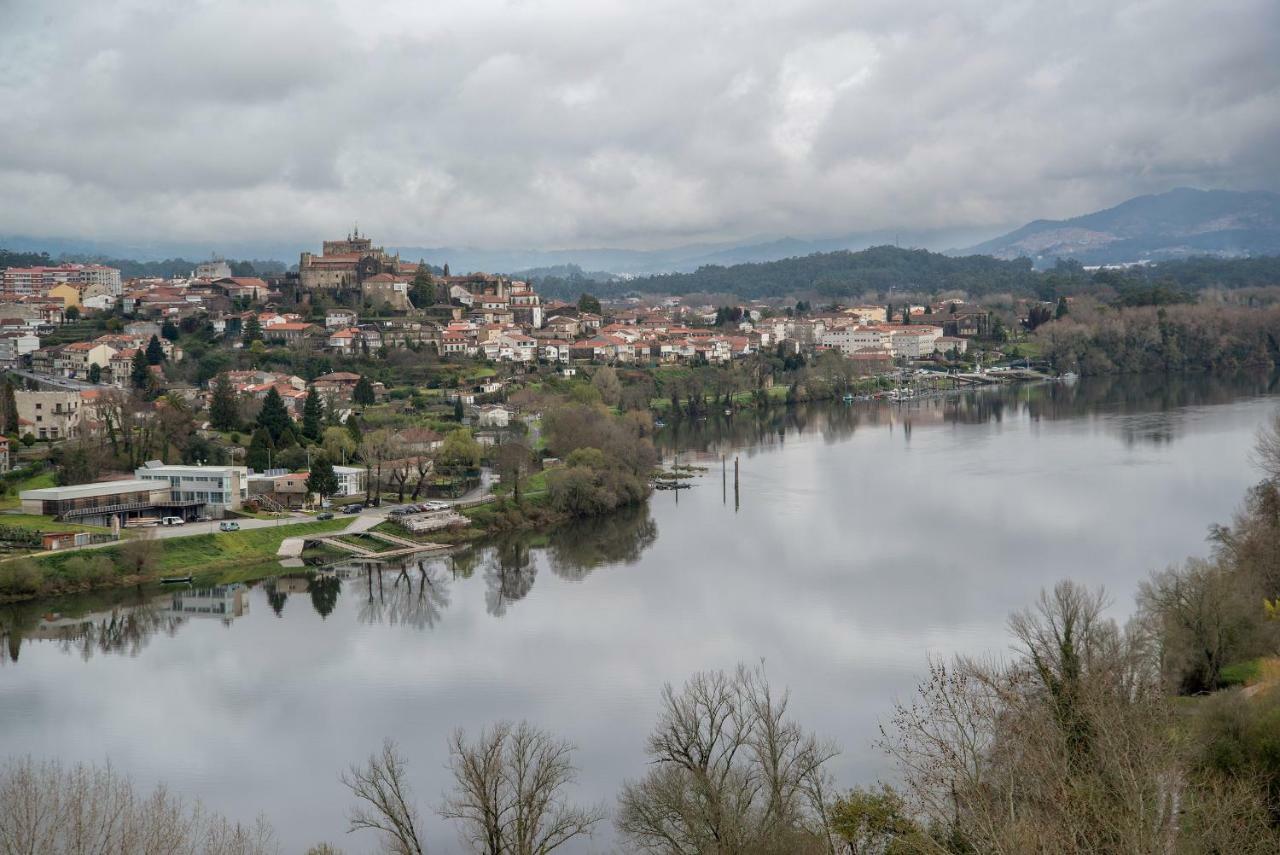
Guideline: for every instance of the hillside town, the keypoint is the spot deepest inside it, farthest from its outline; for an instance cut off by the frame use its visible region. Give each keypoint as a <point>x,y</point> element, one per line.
<point>179,379</point>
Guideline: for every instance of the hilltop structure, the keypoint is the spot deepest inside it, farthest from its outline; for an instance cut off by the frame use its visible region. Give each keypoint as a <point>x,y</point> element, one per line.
<point>346,264</point>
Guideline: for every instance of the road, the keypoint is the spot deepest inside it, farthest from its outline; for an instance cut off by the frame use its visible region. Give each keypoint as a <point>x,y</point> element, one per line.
<point>59,382</point>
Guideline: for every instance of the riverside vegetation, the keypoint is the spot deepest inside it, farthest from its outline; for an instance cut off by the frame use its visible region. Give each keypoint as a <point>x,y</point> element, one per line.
<point>1091,736</point>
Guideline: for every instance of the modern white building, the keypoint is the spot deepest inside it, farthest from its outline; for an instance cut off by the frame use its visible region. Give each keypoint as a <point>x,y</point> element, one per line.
<point>350,480</point>
<point>219,488</point>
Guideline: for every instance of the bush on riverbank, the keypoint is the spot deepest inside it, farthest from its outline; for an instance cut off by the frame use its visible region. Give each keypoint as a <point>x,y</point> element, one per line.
<point>607,460</point>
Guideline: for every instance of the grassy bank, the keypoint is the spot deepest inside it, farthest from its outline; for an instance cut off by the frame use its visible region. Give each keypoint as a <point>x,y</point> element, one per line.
<point>142,561</point>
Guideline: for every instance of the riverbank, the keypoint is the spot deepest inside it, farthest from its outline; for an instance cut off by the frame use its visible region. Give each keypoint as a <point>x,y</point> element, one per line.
<point>140,562</point>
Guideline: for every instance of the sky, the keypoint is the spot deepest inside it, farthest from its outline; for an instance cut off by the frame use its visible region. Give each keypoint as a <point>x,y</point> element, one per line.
<point>645,124</point>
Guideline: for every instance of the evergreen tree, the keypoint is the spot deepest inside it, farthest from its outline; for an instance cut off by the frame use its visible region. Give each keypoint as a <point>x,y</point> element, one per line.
<point>252,330</point>
<point>139,371</point>
<point>10,405</point>
<point>1062,310</point>
<point>322,479</point>
<point>588,303</point>
<point>155,352</point>
<point>224,413</point>
<point>273,416</point>
<point>95,373</point>
<point>363,392</point>
<point>258,457</point>
<point>423,292</point>
<point>169,330</point>
<point>312,416</point>
<point>458,411</point>
<point>353,428</point>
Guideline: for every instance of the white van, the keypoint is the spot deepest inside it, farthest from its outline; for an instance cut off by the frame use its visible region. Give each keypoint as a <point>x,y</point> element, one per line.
<point>172,521</point>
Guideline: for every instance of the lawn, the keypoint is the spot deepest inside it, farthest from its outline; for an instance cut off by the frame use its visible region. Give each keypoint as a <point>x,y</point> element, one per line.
<point>36,522</point>
<point>209,553</point>
<point>36,482</point>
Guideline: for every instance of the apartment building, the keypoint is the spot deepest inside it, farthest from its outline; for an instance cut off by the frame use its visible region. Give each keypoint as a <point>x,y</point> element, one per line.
<point>48,415</point>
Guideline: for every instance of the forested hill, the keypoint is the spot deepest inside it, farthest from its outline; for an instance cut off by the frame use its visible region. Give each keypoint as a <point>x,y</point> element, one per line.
<point>844,275</point>
<point>841,274</point>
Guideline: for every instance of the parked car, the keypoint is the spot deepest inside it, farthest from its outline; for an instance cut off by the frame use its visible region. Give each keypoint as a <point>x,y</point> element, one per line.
<point>324,516</point>
<point>353,509</point>
<point>228,525</point>
<point>399,512</point>
<point>437,506</point>
<point>172,521</point>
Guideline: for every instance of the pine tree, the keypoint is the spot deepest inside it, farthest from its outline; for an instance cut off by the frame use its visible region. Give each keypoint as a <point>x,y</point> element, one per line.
<point>10,408</point>
<point>139,371</point>
<point>224,414</point>
<point>1062,310</point>
<point>169,330</point>
<point>273,416</point>
<point>312,416</point>
<point>353,428</point>
<point>95,373</point>
<point>423,293</point>
<point>363,392</point>
<point>252,330</point>
<point>155,351</point>
<point>458,411</point>
<point>258,457</point>
<point>322,479</point>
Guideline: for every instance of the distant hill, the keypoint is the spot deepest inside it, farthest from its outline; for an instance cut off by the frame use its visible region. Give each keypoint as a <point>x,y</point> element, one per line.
<point>1178,224</point>
<point>841,275</point>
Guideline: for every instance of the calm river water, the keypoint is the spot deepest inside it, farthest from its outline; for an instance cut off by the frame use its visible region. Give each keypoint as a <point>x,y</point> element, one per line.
<point>863,538</point>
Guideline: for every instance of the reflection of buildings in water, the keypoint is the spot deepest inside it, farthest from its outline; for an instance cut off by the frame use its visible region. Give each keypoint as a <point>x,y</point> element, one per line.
<point>226,602</point>
<point>1138,409</point>
<point>122,630</point>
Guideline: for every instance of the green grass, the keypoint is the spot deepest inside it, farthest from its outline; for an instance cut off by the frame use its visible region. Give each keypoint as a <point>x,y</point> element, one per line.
<point>36,522</point>
<point>211,553</point>
<point>1242,673</point>
<point>36,482</point>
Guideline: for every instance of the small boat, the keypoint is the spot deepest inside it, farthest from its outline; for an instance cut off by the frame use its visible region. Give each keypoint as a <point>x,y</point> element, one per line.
<point>174,580</point>
<point>848,397</point>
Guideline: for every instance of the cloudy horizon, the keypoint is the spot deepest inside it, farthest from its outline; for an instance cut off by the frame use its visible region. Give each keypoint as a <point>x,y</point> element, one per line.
<point>564,124</point>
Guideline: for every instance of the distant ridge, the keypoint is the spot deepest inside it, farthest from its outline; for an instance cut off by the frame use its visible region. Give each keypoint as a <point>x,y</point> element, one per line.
<point>1177,224</point>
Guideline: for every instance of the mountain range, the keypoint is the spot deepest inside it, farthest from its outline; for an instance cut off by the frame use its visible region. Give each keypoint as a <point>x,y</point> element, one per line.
<point>1177,224</point>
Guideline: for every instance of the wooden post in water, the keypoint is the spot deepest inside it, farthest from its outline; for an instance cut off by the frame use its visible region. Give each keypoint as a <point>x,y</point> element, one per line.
<point>724,479</point>
<point>736,503</point>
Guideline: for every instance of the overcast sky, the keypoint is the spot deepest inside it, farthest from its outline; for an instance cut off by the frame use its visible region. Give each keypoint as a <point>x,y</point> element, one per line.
<point>606,123</point>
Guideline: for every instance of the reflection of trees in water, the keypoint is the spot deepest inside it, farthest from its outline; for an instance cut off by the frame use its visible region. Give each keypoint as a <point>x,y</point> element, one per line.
<point>124,627</point>
<point>1160,399</point>
<point>574,551</point>
<point>275,597</point>
<point>416,596</point>
<point>324,591</point>
<point>509,574</point>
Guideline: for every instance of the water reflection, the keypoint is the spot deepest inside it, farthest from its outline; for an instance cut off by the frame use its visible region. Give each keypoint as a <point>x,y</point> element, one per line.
<point>413,591</point>
<point>1147,409</point>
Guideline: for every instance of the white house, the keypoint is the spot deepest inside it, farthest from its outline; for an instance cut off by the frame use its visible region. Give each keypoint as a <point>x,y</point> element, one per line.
<point>220,488</point>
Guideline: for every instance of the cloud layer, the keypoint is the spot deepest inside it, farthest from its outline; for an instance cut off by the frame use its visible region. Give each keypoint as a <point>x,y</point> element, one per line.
<point>561,123</point>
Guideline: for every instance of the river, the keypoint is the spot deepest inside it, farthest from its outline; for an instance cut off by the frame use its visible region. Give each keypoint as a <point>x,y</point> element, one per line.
<point>861,539</point>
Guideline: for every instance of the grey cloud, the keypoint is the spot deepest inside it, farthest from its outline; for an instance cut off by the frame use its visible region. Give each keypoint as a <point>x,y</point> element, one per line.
<point>577,124</point>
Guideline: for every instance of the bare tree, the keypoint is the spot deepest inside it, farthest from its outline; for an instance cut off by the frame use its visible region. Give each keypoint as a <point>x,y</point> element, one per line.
<point>731,774</point>
<point>1068,748</point>
<point>1266,451</point>
<point>384,802</point>
<point>84,810</point>
<point>424,466</point>
<point>509,794</point>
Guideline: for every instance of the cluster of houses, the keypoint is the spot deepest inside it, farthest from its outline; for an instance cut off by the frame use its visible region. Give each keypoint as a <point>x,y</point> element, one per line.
<point>476,315</point>
<point>112,353</point>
